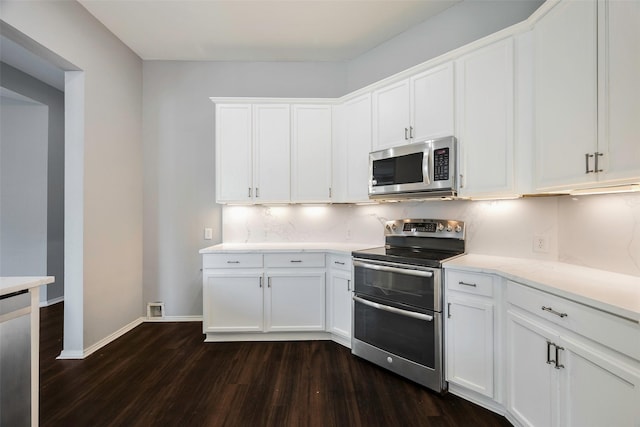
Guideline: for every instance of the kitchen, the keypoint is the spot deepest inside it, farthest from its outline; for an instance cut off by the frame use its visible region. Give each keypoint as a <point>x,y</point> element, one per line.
<point>178,202</point>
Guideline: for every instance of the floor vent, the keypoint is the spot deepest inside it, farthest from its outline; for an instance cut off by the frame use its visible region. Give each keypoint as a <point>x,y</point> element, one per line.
<point>155,310</point>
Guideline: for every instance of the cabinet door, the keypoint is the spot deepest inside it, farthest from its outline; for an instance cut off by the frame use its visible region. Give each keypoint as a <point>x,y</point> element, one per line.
<point>432,103</point>
<point>272,135</point>
<point>485,79</point>
<point>358,139</point>
<point>232,302</point>
<point>565,94</point>
<point>311,153</point>
<point>233,153</point>
<point>532,382</point>
<point>295,301</point>
<point>391,115</point>
<point>620,87</point>
<point>596,388</point>
<point>340,303</point>
<point>470,345</point>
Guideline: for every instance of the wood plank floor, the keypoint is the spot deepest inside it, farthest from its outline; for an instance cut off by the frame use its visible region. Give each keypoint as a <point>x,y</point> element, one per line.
<point>163,374</point>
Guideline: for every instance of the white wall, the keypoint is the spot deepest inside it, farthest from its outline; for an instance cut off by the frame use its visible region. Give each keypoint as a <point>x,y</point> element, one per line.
<point>179,176</point>
<point>23,187</point>
<point>21,83</point>
<point>110,191</point>
<point>461,24</point>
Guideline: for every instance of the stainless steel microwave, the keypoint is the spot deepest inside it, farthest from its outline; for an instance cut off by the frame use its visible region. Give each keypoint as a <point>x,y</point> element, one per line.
<point>419,170</point>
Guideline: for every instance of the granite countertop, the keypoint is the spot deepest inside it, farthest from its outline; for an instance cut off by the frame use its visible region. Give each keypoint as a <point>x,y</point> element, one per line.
<point>339,248</point>
<point>614,293</point>
<point>9,285</point>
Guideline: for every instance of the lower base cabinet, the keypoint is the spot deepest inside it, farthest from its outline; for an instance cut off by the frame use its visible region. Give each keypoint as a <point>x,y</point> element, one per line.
<point>339,297</point>
<point>233,301</point>
<point>294,301</point>
<point>557,377</point>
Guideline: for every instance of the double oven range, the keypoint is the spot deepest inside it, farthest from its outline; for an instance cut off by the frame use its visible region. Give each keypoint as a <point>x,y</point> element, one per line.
<point>397,316</point>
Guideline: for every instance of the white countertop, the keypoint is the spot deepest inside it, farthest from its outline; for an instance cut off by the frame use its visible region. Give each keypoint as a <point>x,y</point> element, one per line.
<point>615,293</point>
<point>340,248</point>
<point>9,285</point>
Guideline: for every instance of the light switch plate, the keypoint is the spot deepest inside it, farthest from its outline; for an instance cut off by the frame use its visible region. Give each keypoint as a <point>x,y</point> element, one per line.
<point>208,233</point>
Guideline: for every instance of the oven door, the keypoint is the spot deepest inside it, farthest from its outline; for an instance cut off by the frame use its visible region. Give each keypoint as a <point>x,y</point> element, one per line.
<point>399,283</point>
<point>403,341</point>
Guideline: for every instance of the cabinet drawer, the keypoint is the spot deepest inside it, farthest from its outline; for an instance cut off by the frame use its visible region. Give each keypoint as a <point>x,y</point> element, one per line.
<point>473,283</point>
<point>609,330</point>
<point>340,262</point>
<point>232,261</point>
<point>294,260</point>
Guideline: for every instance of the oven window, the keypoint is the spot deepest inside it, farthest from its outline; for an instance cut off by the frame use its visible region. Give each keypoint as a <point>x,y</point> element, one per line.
<point>398,170</point>
<point>412,339</point>
<point>416,291</point>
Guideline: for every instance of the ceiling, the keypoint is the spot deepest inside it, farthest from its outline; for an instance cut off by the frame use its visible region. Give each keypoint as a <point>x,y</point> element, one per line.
<point>259,30</point>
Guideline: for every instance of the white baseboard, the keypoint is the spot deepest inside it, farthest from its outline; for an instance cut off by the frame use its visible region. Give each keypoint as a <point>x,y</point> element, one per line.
<point>71,354</point>
<point>174,319</point>
<point>51,301</point>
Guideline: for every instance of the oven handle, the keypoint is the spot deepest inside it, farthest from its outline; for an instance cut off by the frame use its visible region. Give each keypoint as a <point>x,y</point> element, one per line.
<point>406,271</point>
<point>412,314</point>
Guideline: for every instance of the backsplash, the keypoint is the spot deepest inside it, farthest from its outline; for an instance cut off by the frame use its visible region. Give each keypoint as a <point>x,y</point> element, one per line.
<point>504,227</point>
<point>599,231</point>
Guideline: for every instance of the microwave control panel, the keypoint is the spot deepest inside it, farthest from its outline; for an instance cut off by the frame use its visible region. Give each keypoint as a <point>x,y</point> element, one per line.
<point>441,164</point>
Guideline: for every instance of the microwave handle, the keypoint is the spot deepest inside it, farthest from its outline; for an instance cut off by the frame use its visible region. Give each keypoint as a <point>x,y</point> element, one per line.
<point>425,167</point>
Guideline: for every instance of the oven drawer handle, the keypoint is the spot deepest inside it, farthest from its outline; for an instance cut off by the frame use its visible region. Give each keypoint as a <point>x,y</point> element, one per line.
<point>412,314</point>
<point>406,271</point>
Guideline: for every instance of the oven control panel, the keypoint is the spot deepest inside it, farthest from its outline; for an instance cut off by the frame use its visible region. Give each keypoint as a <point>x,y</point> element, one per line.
<point>425,228</point>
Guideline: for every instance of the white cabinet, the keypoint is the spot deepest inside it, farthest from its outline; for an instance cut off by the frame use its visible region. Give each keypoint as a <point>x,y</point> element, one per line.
<point>485,120</point>
<point>414,109</point>
<point>252,153</point>
<point>234,159</point>
<point>568,364</point>
<point>232,301</point>
<point>271,136</point>
<point>587,108</point>
<point>351,147</point>
<point>339,297</point>
<point>311,153</point>
<point>252,292</point>
<point>469,330</point>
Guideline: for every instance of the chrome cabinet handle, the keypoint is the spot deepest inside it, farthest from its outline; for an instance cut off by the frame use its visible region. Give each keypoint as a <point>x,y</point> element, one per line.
<point>296,260</point>
<point>558,348</point>
<point>448,310</point>
<point>406,135</point>
<point>260,281</point>
<point>389,309</point>
<point>233,262</point>
<point>257,192</point>
<point>386,268</point>
<point>268,282</point>
<point>467,284</point>
<point>586,160</point>
<point>410,131</point>
<point>552,311</point>
<point>549,360</point>
<point>348,284</point>
<point>597,155</point>
<point>338,262</point>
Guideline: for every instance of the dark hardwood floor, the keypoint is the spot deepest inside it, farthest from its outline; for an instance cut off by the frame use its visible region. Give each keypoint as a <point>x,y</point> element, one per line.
<point>163,374</point>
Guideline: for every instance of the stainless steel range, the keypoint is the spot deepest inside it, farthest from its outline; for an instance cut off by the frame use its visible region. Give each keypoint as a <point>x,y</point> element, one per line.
<point>397,316</point>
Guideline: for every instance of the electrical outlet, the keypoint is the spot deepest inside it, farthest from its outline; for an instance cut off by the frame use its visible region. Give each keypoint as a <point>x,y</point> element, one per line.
<point>540,244</point>
<point>208,233</point>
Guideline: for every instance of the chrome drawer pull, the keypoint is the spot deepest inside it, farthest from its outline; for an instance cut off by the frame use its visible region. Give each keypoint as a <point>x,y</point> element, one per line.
<point>551,310</point>
<point>233,262</point>
<point>338,262</point>
<point>549,359</point>
<point>296,260</point>
<point>467,284</point>
<point>558,365</point>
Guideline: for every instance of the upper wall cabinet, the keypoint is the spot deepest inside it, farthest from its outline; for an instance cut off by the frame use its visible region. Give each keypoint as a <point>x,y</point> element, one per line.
<point>252,153</point>
<point>351,147</point>
<point>587,95</point>
<point>485,116</point>
<point>311,153</point>
<point>414,109</point>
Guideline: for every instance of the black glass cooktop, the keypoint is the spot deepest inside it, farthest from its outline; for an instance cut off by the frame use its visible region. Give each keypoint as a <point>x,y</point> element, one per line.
<point>414,256</point>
